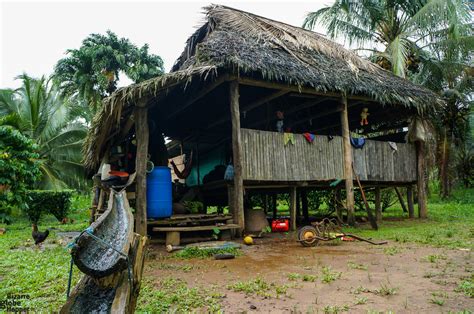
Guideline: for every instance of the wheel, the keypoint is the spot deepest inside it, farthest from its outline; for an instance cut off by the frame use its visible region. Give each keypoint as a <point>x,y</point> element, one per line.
<point>307,236</point>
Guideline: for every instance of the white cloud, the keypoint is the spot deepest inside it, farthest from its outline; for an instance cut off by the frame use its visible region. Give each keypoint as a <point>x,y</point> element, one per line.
<point>36,34</point>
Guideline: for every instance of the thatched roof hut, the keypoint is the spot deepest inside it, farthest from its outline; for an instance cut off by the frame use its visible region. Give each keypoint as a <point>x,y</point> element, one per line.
<point>233,43</point>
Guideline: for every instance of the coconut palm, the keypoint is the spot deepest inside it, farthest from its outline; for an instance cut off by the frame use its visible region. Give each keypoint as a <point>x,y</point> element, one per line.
<point>403,29</point>
<point>38,111</point>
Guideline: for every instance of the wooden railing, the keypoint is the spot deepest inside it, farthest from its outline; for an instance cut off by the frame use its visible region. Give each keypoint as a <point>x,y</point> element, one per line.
<point>265,157</point>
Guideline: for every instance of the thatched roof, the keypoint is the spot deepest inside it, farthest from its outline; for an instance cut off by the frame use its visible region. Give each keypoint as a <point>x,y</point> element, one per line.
<point>241,43</point>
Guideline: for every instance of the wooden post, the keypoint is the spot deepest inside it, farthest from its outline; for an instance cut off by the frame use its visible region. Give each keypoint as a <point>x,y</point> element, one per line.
<point>339,207</point>
<point>400,199</point>
<point>304,205</point>
<point>420,158</point>
<point>378,204</point>
<point>347,163</point>
<point>238,199</point>
<point>142,136</point>
<point>274,205</point>
<point>293,208</point>
<point>411,208</point>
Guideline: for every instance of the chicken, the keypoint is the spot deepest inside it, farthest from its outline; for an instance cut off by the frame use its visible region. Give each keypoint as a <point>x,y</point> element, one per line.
<point>38,236</point>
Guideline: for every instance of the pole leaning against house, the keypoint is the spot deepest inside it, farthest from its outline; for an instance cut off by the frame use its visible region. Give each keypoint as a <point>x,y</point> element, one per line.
<point>142,134</point>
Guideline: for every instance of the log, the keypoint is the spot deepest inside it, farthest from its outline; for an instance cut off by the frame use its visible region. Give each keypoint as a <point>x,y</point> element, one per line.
<point>347,163</point>
<point>238,198</point>
<point>112,294</point>
<point>142,136</point>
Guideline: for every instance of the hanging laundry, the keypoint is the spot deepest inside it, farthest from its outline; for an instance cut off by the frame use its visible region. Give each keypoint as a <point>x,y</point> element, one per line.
<point>393,146</point>
<point>288,138</point>
<point>309,137</point>
<point>358,142</point>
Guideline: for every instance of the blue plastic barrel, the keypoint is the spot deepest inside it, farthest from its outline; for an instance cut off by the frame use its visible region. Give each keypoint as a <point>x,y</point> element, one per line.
<point>158,193</point>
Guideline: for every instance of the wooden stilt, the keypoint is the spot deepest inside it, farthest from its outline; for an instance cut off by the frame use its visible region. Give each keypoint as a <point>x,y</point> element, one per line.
<point>304,205</point>
<point>378,204</point>
<point>274,206</point>
<point>142,135</point>
<point>347,163</point>
<point>293,208</point>
<point>339,206</point>
<point>411,208</point>
<point>237,155</point>
<point>421,188</point>
<point>400,199</point>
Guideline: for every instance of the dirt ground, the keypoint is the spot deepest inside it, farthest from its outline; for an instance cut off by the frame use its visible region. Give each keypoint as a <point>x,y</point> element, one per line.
<point>402,278</point>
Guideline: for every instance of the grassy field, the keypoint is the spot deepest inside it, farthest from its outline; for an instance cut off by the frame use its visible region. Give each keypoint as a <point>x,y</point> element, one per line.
<point>41,274</point>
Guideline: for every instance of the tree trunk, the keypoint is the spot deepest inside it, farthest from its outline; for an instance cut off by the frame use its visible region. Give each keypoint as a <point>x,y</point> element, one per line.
<point>444,169</point>
<point>421,187</point>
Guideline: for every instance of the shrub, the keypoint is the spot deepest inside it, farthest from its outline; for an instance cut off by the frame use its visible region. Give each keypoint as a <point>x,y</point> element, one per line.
<point>19,169</point>
<point>57,203</point>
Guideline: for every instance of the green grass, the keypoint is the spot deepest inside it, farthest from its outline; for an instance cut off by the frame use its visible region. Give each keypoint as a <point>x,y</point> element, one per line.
<point>467,287</point>
<point>40,274</point>
<point>450,223</point>
<point>174,296</point>
<point>328,275</point>
<point>260,287</point>
<point>196,252</point>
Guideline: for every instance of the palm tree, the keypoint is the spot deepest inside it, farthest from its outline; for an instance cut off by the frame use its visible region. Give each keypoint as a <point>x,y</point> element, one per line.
<point>92,71</point>
<point>38,111</point>
<point>404,29</point>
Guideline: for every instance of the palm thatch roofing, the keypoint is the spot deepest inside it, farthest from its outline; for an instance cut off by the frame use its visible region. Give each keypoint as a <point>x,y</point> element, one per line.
<point>243,44</point>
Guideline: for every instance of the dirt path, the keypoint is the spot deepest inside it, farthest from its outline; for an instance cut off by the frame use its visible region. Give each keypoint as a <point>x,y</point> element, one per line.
<point>354,277</point>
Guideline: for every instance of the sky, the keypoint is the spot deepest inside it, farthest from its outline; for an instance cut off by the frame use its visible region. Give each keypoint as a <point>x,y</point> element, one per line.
<point>34,35</point>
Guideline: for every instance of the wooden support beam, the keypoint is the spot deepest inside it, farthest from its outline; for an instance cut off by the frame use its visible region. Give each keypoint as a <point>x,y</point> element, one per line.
<point>274,206</point>
<point>304,205</point>
<point>142,136</point>
<point>293,200</point>
<point>238,198</point>
<point>339,207</point>
<point>209,88</point>
<point>400,199</point>
<point>252,106</point>
<point>348,177</point>
<point>411,208</point>
<point>378,204</point>
<point>421,184</point>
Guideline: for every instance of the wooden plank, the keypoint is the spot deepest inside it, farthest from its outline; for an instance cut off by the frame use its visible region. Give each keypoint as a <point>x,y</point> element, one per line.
<point>142,135</point>
<point>400,199</point>
<point>195,228</point>
<point>347,164</point>
<point>238,198</point>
